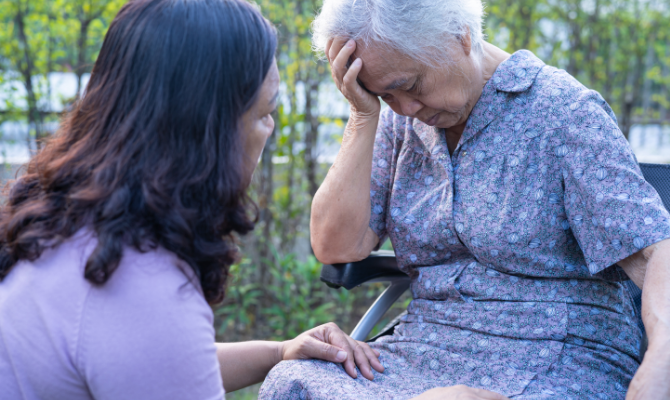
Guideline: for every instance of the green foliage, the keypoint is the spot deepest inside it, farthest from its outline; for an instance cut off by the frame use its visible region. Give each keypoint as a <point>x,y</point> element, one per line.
<point>620,48</point>
<point>248,393</point>
<point>300,302</point>
<point>38,37</point>
<point>296,301</point>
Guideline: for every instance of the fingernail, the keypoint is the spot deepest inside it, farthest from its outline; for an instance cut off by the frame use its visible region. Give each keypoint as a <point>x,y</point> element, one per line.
<point>350,43</point>
<point>341,355</point>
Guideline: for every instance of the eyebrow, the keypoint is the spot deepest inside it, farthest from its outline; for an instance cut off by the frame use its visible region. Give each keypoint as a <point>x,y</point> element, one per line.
<point>398,83</point>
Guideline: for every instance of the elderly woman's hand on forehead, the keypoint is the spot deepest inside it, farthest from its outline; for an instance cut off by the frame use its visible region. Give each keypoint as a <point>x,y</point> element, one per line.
<point>339,51</point>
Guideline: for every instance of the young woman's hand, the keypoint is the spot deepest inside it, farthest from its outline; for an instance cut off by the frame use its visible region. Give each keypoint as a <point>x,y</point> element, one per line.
<point>328,342</point>
<point>459,392</point>
<point>363,104</point>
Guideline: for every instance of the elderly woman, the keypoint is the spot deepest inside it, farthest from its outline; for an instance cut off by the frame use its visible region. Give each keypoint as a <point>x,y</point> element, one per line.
<point>512,200</point>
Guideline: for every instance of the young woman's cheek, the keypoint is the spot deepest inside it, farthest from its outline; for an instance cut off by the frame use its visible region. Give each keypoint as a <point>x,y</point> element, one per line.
<point>267,128</point>
<point>271,125</point>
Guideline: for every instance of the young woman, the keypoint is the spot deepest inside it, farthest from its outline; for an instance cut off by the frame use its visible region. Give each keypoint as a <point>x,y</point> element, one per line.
<point>118,235</point>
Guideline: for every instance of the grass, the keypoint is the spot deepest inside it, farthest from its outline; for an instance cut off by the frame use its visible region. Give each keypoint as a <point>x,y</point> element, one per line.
<point>249,393</point>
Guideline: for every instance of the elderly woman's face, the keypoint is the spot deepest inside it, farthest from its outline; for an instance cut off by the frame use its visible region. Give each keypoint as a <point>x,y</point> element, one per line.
<point>441,97</point>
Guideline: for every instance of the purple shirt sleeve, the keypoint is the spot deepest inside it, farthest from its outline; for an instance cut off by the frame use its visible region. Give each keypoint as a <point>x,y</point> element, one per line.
<point>612,211</point>
<point>148,334</point>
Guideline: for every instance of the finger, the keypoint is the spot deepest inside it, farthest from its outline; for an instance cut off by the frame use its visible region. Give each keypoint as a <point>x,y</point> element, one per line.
<point>329,43</point>
<point>373,357</point>
<point>313,348</point>
<point>350,83</point>
<point>362,361</point>
<point>334,336</point>
<point>339,64</point>
<point>335,48</point>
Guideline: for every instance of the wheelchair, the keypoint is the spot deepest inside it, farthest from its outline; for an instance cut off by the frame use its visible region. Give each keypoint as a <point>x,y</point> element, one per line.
<point>381,266</point>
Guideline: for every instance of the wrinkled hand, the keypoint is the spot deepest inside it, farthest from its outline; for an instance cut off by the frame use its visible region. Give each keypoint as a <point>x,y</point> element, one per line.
<point>328,342</point>
<point>459,392</point>
<point>339,51</point>
<point>651,379</point>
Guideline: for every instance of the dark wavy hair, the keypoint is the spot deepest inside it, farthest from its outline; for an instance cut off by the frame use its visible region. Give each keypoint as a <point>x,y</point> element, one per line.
<point>152,153</point>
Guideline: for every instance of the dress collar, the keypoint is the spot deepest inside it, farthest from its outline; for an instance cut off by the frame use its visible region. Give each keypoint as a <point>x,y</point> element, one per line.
<point>514,75</point>
<point>517,73</point>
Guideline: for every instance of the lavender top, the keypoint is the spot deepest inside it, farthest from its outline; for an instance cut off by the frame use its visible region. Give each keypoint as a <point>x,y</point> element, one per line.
<point>145,334</point>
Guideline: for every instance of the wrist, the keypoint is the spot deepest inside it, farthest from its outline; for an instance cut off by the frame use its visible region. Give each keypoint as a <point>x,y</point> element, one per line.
<point>364,116</point>
<point>280,351</point>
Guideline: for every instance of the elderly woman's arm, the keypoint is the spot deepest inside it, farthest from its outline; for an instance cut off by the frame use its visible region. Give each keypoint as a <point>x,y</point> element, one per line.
<point>650,270</point>
<point>340,218</point>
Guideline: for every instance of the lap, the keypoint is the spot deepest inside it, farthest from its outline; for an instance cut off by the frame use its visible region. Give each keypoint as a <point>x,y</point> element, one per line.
<point>412,367</point>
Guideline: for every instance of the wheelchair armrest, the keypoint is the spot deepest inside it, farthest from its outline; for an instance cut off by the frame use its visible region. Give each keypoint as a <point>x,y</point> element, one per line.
<point>378,266</point>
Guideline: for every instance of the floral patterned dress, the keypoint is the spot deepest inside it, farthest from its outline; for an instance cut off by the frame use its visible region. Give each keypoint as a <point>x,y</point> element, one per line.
<point>511,243</point>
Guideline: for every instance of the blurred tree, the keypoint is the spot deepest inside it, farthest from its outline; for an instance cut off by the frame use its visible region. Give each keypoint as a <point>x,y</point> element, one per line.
<point>617,47</point>
<point>86,23</point>
<point>27,46</point>
<point>283,203</point>
<point>38,37</point>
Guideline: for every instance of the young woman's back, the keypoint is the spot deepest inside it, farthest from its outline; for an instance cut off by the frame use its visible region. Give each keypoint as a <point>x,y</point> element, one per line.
<point>66,336</point>
<point>118,235</point>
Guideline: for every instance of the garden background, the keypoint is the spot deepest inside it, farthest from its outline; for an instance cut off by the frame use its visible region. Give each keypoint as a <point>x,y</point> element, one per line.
<point>47,48</point>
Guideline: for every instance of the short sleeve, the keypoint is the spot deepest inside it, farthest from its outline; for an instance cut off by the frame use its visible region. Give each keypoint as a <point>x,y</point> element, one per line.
<point>612,211</point>
<point>382,176</point>
<point>147,334</point>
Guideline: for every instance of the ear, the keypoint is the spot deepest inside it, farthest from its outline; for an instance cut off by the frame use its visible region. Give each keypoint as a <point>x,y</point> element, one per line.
<point>466,41</point>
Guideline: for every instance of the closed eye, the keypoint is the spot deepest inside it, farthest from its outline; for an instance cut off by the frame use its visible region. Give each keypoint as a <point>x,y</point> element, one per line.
<point>416,87</point>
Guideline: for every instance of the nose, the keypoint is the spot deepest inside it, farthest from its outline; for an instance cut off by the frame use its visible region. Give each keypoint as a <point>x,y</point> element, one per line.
<point>410,107</point>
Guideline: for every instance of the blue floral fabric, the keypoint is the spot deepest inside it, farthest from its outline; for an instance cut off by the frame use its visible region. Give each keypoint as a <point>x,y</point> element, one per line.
<point>511,243</point>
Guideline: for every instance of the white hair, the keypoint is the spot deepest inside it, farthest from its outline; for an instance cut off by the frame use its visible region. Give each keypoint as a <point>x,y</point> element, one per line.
<point>421,29</point>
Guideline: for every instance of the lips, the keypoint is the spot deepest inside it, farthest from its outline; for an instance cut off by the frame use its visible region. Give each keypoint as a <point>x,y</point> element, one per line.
<point>433,120</point>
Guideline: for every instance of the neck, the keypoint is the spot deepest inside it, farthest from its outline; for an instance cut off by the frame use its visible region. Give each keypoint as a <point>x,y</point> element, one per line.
<point>493,56</point>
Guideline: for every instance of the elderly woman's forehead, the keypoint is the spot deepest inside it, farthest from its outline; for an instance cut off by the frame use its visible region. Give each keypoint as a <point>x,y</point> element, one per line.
<point>379,62</point>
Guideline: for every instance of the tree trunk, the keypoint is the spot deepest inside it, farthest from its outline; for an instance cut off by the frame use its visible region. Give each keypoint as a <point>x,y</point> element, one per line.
<point>593,38</point>
<point>27,70</point>
<point>631,94</point>
<point>266,191</point>
<point>81,53</point>
<point>575,46</point>
<point>311,135</point>
<point>646,91</point>
<point>665,87</point>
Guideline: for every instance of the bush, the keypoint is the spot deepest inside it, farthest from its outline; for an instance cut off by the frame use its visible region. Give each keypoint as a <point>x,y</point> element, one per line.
<point>294,302</point>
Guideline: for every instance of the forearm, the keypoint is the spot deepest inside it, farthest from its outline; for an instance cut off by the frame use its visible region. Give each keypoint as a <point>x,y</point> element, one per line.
<point>246,363</point>
<point>341,207</point>
<point>656,298</point>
